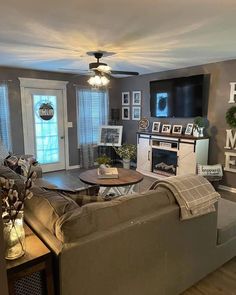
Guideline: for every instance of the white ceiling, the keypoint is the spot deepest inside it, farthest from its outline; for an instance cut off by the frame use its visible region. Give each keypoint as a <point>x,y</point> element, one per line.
<point>147,36</point>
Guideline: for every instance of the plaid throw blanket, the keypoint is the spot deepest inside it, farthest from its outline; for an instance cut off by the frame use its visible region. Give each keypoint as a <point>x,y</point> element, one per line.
<point>194,194</point>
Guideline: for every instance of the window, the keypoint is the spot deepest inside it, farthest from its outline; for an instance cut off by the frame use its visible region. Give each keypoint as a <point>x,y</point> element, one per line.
<point>5,136</point>
<point>92,112</point>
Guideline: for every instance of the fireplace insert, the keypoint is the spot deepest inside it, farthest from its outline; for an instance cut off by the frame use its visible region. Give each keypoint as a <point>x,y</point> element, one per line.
<point>164,162</point>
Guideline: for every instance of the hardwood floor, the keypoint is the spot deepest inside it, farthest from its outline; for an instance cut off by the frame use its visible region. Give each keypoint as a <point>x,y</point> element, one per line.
<point>220,282</point>
<point>70,179</point>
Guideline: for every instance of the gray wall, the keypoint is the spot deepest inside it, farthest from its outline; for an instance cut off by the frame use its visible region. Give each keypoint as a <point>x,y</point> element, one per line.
<point>15,104</point>
<point>221,74</point>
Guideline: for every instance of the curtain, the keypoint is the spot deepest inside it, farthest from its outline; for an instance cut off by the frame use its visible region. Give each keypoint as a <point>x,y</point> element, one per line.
<point>5,136</point>
<point>92,112</point>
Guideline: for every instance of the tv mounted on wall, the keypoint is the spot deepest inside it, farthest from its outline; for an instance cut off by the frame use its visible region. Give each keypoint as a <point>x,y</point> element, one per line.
<point>184,97</point>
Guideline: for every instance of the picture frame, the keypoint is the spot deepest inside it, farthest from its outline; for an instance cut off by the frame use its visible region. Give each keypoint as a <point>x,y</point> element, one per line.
<point>125,98</point>
<point>125,113</point>
<point>136,113</point>
<point>166,128</point>
<point>189,129</point>
<point>110,135</point>
<point>136,98</point>
<point>177,129</point>
<point>156,126</point>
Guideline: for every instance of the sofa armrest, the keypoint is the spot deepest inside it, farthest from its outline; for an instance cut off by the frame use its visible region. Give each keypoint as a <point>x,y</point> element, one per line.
<point>38,169</point>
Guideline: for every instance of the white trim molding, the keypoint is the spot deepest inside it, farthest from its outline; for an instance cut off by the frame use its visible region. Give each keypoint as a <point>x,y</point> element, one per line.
<point>73,167</point>
<point>42,83</point>
<point>227,188</point>
<point>52,85</point>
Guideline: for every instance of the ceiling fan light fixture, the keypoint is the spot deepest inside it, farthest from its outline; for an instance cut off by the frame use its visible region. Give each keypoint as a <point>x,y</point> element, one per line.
<point>98,81</point>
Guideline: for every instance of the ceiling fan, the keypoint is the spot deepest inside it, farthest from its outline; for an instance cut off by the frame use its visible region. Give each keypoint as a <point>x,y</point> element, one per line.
<point>100,71</point>
<point>103,67</point>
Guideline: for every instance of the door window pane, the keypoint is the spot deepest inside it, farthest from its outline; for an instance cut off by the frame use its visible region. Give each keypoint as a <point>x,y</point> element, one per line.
<point>46,131</point>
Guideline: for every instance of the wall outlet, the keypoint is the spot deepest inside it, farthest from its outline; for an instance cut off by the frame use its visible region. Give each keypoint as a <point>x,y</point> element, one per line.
<point>70,124</point>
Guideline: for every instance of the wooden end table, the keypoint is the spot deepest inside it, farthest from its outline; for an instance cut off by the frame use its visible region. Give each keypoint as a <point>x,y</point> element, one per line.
<point>127,179</point>
<point>32,270</point>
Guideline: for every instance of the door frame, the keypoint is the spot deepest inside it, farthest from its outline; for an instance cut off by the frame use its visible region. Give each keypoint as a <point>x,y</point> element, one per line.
<point>32,83</point>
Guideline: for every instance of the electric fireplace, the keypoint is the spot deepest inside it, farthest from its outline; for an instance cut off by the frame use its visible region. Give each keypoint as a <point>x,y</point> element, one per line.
<point>164,162</point>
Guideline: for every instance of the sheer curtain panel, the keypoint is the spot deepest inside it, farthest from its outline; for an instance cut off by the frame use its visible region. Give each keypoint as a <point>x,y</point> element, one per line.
<point>92,112</point>
<point>5,136</point>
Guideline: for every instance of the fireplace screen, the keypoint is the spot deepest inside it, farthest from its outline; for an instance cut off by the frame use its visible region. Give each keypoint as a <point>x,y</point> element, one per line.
<point>164,162</point>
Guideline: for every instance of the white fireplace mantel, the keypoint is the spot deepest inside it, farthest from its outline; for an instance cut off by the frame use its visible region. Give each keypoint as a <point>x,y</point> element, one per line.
<point>189,150</point>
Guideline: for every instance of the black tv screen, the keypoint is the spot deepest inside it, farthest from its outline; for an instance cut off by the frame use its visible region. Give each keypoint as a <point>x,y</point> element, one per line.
<point>178,97</point>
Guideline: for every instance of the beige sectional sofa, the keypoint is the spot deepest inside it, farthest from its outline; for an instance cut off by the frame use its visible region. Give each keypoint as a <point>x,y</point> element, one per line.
<point>131,245</point>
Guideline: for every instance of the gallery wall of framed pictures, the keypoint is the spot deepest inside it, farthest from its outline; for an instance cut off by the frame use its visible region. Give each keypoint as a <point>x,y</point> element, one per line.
<point>131,105</point>
<point>131,110</point>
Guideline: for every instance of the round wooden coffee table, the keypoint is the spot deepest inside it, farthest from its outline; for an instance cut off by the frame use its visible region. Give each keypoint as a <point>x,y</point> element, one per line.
<point>127,179</point>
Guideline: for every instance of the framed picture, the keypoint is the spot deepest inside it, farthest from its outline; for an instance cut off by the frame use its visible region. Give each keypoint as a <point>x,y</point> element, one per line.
<point>189,129</point>
<point>136,98</point>
<point>166,128</point>
<point>125,113</point>
<point>177,129</point>
<point>125,98</point>
<point>136,113</point>
<point>110,135</point>
<point>156,126</point>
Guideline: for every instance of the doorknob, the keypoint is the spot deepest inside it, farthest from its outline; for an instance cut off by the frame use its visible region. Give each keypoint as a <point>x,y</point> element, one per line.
<point>62,137</point>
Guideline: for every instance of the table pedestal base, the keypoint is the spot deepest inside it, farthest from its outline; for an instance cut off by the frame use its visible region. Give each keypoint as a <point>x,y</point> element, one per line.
<point>118,190</point>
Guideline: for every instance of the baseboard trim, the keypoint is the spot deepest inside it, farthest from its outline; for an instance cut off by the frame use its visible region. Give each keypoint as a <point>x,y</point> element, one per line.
<point>73,167</point>
<point>227,188</point>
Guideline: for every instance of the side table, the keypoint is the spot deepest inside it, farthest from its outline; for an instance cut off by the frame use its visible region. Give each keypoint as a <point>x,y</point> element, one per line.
<point>32,273</point>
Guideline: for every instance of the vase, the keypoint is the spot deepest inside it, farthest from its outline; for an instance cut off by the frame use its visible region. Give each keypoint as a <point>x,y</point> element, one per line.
<point>201,131</point>
<point>14,238</point>
<point>196,132</point>
<point>126,163</point>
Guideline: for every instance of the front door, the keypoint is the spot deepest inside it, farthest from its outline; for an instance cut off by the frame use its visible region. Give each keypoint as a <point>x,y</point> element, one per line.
<point>44,128</point>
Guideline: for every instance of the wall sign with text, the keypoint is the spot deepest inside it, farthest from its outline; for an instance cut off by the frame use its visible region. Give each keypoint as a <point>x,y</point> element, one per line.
<point>230,145</point>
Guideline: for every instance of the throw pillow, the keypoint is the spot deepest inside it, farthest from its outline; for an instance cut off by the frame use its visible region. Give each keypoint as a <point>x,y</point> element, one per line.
<point>211,172</point>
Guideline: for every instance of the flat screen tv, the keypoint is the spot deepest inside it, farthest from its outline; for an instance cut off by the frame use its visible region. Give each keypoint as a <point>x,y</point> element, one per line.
<point>184,97</point>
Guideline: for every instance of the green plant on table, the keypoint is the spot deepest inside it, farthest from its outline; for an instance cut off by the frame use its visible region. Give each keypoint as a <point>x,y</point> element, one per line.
<point>103,159</point>
<point>200,122</point>
<point>126,151</point>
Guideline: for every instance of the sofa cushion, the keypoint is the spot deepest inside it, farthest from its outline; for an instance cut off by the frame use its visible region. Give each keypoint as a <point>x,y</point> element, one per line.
<point>10,174</point>
<point>49,206</point>
<point>103,215</point>
<point>226,220</point>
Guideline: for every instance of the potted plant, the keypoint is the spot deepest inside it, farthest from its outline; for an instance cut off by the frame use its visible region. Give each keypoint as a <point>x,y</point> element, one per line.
<point>127,152</point>
<point>103,160</point>
<point>199,124</point>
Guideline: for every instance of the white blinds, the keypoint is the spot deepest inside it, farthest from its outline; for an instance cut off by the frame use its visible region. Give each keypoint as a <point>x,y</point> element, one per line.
<point>5,136</point>
<point>92,112</point>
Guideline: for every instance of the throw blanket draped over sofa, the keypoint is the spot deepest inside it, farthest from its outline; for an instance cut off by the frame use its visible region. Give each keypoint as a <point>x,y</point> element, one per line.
<point>194,194</point>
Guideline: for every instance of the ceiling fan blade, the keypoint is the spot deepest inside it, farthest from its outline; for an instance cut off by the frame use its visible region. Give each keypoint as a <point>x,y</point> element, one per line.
<point>73,70</point>
<point>124,73</point>
<point>76,71</point>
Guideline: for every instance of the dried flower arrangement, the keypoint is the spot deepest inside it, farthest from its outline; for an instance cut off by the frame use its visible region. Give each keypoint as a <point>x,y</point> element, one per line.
<point>126,151</point>
<point>12,210</point>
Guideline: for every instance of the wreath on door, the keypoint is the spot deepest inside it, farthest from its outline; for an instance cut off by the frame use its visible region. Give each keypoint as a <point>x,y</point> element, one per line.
<point>231,117</point>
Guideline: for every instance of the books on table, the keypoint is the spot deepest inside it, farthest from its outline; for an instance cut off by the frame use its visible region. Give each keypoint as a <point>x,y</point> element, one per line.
<point>107,172</point>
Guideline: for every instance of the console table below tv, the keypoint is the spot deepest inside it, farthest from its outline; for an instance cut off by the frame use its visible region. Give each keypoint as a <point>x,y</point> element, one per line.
<point>160,155</point>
